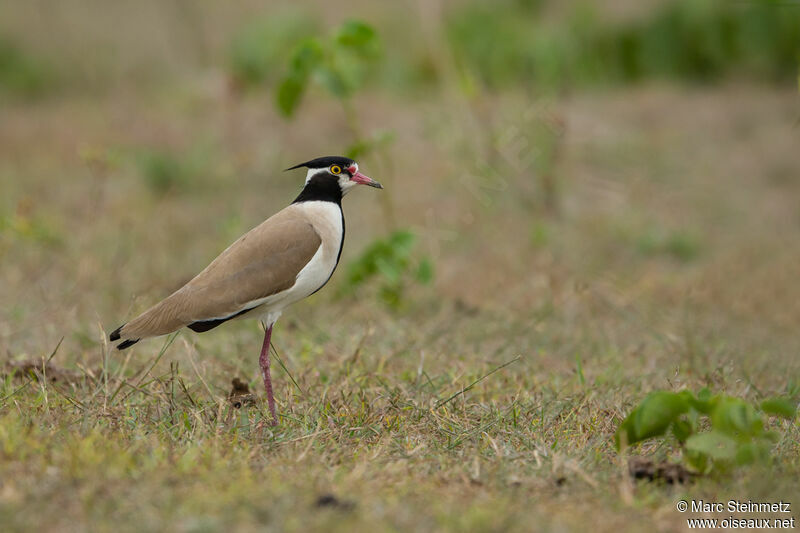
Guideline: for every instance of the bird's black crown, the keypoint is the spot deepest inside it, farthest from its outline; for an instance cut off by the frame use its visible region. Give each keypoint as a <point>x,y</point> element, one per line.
<point>324,162</point>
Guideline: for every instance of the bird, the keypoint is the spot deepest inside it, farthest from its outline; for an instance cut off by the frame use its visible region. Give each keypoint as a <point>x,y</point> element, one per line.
<point>286,258</point>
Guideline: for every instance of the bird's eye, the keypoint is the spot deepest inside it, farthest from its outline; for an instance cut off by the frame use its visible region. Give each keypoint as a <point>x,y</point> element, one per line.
<point>335,169</point>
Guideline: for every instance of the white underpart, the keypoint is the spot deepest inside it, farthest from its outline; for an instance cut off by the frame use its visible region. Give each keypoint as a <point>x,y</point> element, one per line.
<point>326,218</point>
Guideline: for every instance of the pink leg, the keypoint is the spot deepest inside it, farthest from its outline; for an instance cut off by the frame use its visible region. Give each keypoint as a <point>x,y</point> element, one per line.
<point>263,361</point>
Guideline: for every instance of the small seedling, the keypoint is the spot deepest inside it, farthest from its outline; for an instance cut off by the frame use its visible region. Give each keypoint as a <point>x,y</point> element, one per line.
<point>257,50</point>
<point>338,63</point>
<point>714,432</point>
<point>393,263</point>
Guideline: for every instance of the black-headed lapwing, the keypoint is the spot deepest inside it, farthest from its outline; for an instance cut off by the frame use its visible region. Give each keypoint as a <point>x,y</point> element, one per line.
<point>287,257</point>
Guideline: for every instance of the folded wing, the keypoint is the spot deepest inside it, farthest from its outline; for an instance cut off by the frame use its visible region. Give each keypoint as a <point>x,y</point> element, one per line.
<point>263,262</point>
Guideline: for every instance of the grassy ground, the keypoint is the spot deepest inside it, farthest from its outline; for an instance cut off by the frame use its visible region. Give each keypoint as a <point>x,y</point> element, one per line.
<point>667,259</point>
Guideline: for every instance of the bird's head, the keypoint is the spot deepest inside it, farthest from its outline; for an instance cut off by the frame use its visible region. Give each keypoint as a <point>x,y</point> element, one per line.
<point>336,169</point>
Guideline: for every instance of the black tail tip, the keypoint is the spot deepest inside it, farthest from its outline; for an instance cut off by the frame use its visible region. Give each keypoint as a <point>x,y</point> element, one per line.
<point>126,344</point>
<point>115,334</point>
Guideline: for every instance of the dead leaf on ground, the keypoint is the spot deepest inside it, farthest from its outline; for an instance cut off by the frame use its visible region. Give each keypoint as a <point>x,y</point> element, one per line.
<point>329,500</point>
<point>672,473</point>
<point>240,394</point>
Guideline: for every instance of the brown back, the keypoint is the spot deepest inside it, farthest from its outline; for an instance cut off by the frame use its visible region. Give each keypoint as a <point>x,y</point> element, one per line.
<point>262,262</point>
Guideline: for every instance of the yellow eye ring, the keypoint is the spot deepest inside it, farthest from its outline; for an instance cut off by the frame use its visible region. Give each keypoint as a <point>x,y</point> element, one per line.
<point>335,169</point>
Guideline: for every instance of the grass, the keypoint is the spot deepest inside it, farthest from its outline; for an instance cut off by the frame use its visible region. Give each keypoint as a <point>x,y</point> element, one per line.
<point>384,441</point>
<point>136,441</point>
<point>488,402</point>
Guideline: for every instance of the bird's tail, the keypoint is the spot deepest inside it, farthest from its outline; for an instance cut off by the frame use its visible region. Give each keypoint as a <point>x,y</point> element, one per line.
<point>117,335</point>
<point>165,317</point>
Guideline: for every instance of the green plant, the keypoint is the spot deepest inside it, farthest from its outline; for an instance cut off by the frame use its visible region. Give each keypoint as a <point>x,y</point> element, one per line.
<point>393,263</point>
<point>686,40</point>
<point>712,431</point>
<point>20,74</point>
<point>682,245</point>
<point>338,62</point>
<point>29,227</point>
<point>256,52</point>
<point>165,172</point>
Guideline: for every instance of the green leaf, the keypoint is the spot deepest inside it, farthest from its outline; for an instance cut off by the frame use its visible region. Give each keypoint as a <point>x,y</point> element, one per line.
<point>652,417</point>
<point>698,461</point>
<point>782,407</point>
<point>704,402</point>
<point>425,271</point>
<point>704,395</point>
<point>305,59</point>
<point>388,269</point>
<point>681,429</point>
<point>402,239</point>
<point>308,56</point>
<point>391,259</point>
<point>357,35</point>
<point>337,62</point>
<point>262,45</point>
<point>736,417</point>
<point>333,80</point>
<point>289,95</point>
<point>751,452</point>
<point>714,444</point>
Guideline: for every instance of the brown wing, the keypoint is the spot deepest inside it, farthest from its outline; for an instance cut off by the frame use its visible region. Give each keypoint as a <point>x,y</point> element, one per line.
<point>264,261</point>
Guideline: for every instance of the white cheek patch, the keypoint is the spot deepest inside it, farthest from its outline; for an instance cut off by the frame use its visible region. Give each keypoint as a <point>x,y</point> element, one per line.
<point>345,183</point>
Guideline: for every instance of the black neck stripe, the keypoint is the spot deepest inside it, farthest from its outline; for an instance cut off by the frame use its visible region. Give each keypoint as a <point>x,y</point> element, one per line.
<point>321,187</point>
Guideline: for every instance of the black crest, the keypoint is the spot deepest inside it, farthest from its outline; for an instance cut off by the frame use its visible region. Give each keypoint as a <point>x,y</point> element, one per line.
<point>324,162</point>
